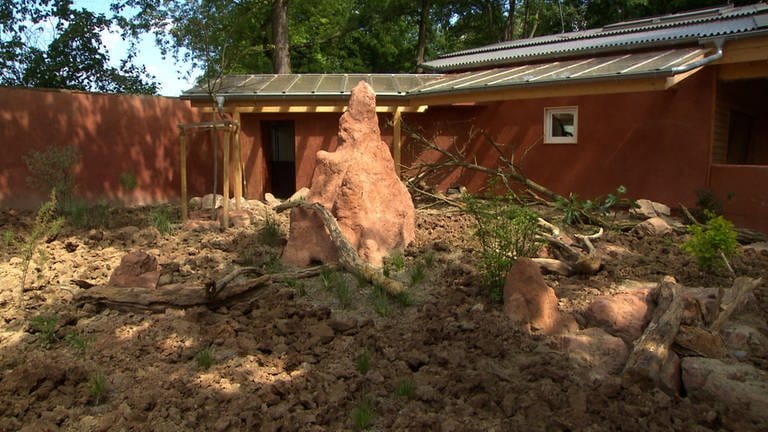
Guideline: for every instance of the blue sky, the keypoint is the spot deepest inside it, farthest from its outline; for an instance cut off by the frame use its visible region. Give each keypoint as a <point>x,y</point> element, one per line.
<point>170,75</point>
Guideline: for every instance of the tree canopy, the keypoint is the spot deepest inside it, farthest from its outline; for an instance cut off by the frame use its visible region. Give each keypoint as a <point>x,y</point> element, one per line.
<point>281,36</point>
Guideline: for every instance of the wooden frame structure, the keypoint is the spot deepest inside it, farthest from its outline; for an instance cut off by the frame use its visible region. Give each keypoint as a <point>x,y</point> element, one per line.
<point>231,130</point>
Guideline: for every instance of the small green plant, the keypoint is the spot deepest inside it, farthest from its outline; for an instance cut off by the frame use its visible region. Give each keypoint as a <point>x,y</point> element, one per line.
<point>506,232</point>
<point>299,286</point>
<point>270,232</point>
<point>405,389</point>
<point>327,277</point>
<point>713,243</point>
<point>394,263</point>
<point>580,211</point>
<point>205,357</point>
<point>8,237</point>
<point>79,343</point>
<point>363,414</point>
<point>417,274</point>
<point>81,214</point>
<point>271,263</point>
<point>128,181</point>
<point>97,387</point>
<point>404,299</point>
<point>343,293</point>
<point>161,219</point>
<point>380,302</point>
<point>363,362</point>
<point>45,327</point>
<point>53,170</point>
<point>46,225</point>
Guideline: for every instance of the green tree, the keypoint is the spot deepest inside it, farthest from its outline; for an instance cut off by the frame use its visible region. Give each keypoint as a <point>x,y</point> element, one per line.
<point>48,43</point>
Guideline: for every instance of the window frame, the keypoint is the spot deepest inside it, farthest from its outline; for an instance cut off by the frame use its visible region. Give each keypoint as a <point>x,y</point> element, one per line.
<point>549,112</point>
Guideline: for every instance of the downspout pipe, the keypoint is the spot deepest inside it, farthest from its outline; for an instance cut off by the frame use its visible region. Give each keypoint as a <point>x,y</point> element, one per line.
<point>702,61</point>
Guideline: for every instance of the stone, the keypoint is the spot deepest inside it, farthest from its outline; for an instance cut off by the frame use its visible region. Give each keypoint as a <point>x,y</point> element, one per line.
<point>624,315</point>
<point>271,200</point>
<point>237,218</point>
<point>528,300</point>
<point>670,376</point>
<point>741,390</point>
<point>743,337</point>
<point>136,269</point>
<point>648,209</point>
<point>126,233</point>
<point>699,304</point>
<point>320,333</point>
<point>200,225</point>
<point>300,194</point>
<point>601,353</point>
<point>208,201</point>
<point>654,226</point>
<point>195,203</point>
<point>357,183</point>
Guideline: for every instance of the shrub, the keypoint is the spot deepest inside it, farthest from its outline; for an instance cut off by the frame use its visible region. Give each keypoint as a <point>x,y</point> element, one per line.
<point>160,218</point>
<point>581,211</point>
<point>204,358</point>
<point>380,301</point>
<point>712,243</point>
<point>79,343</point>
<point>53,169</point>
<point>506,232</point>
<point>45,327</point>
<point>46,225</point>
<point>81,214</point>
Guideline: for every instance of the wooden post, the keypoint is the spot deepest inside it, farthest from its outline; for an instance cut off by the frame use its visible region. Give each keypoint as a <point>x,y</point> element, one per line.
<point>396,121</point>
<point>238,164</point>
<point>183,172</point>
<point>227,140</point>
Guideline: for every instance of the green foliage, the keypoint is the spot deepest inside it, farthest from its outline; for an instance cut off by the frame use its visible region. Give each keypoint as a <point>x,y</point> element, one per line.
<point>97,387</point>
<point>711,242</point>
<point>363,414</point>
<point>270,232</point>
<point>394,263</point>
<point>161,219</point>
<point>81,214</point>
<point>417,274</point>
<point>405,389</point>
<point>343,293</point>
<point>205,358</point>
<point>506,232</point>
<point>79,343</point>
<point>8,237</point>
<point>53,169</point>
<point>128,181</point>
<point>404,299</point>
<point>363,362</point>
<point>578,211</point>
<point>46,225</point>
<point>272,264</point>
<point>45,327</point>
<point>380,301</point>
<point>299,286</point>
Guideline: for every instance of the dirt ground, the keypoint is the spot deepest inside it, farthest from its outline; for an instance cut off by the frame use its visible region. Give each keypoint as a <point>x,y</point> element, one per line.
<point>302,356</point>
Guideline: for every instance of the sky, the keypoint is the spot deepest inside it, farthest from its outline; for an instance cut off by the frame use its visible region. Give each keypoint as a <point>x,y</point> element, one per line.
<point>167,73</point>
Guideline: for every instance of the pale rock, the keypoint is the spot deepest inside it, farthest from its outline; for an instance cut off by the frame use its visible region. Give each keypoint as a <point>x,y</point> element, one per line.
<point>271,200</point>
<point>653,227</point>
<point>299,195</point>
<point>126,233</point>
<point>649,209</point>
<point>741,390</point>
<point>746,338</point>
<point>195,203</point>
<point>136,269</point>
<point>624,315</point>
<point>357,183</point>
<point>594,349</point>
<point>237,218</point>
<point>209,203</point>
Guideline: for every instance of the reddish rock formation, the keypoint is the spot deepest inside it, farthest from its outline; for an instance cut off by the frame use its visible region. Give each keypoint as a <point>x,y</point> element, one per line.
<point>358,184</point>
<point>136,269</point>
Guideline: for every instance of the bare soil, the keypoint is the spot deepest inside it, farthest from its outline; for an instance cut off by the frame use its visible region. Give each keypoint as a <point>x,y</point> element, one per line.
<point>293,356</point>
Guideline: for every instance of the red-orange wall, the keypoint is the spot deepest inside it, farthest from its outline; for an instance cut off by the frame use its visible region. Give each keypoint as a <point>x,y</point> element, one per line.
<point>115,134</point>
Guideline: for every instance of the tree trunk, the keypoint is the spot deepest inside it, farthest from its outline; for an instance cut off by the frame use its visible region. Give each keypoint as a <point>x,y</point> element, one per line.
<point>509,28</point>
<point>281,57</point>
<point>422,43</point>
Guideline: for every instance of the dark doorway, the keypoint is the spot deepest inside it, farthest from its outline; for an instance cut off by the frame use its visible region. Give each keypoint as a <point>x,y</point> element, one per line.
<point>280,144</point>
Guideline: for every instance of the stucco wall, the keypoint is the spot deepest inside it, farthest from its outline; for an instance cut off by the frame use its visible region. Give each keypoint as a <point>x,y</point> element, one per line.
<point>116,134</point>
<point>744,192</point>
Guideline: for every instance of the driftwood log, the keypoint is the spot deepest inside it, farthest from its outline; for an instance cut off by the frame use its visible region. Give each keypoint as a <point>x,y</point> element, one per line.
<point>645,363</point>
<point>222,292</point>
<point>348,256</point>
<point>570,261</point>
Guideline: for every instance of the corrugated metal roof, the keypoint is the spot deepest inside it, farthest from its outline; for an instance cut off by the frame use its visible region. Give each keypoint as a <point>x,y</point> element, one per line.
<point>678,29</point>
<point>628,65</point>
<point>312,85</point>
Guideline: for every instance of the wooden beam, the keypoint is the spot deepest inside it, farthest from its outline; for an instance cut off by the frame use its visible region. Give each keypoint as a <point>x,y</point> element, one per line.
<point>676,79</point>
<point>745,50</point>
<point>268,108</point>
<point>183,174</point>
<point>225,216</point>
<point>396,126</point>
<point>237,161</point>
<point>737,71</point>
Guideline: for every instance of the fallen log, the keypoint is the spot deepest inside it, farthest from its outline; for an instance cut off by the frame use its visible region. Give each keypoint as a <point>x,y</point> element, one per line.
<point>348,257</point>
<point>699,342</point>
<point>733,299</point>
<point>181,296</point>
<point>652,350</point>
<point>568,260</point>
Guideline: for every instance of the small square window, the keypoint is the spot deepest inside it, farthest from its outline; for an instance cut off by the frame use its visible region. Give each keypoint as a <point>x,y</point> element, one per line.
<point>561,125</point>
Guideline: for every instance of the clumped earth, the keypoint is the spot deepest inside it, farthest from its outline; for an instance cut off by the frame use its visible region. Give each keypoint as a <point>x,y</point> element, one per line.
<point>324,353</point>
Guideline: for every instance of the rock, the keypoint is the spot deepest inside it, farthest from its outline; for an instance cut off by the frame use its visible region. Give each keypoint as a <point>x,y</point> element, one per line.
<point>237,218</point>
<point>654,226</point>
<point>208,202</point>
<point>95,235</point>
<point>745,338</point>
<point>650,209</point>
<point>699,304</point>
<point>342,325</point>
<point>357,183</point>
<point>624,315</point>
<point>758,246</point>
<point>528,300</point>
<point>596,350</point>
<point>740,389</point>
<point>299,195</point>
<point>195,203</point>
<point>271,200</point>
<point>320,333</point>
<point>200,225</point>
<point>126,233</point>
<point>670,376</point>
<point>136,269</point>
